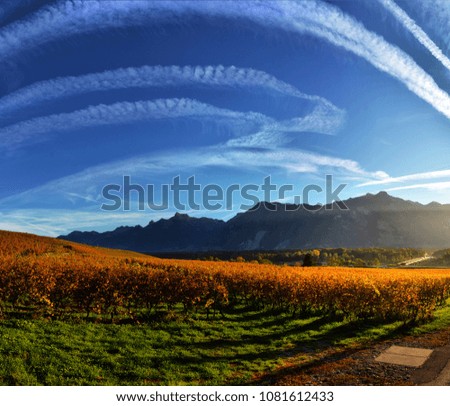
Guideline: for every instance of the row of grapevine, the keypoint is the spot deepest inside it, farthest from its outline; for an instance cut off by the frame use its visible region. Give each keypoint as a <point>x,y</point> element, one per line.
<point>73,283</point>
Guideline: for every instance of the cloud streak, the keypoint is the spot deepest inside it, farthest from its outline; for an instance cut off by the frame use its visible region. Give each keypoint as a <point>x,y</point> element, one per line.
<point>315,18</point>
<point>85,187</point>
<point>436,16</point>
<point>155,76</point>
<point>434,186</point>
<point>325,118</point>
<point>333,25</point>
<point>54,222</point>
<point>408,178</point>
<point>126,112</point>
<point>416,31</point>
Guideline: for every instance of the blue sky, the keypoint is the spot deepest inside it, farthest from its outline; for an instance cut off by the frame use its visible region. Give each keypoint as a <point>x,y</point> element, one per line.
<point>228,92</point>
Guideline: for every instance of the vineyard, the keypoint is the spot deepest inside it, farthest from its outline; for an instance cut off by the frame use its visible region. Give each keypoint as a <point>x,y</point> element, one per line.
<point>54,278</point>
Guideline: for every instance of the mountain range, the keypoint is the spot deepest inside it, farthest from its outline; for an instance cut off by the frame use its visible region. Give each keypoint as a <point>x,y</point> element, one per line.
<point>369,221</point>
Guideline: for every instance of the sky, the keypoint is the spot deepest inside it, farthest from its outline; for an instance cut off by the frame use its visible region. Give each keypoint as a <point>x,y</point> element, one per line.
<point>225,93</point>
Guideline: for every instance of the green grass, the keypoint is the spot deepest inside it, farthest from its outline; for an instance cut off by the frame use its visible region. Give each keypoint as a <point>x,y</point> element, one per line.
<point>176,350</point>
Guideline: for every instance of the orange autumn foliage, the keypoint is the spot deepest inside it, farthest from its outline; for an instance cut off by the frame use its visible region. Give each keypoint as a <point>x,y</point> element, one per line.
<point>57,277</point>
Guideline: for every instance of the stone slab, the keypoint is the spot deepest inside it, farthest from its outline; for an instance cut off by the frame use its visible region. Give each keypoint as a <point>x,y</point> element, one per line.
<point>415,352</point>
<point>406,356</point>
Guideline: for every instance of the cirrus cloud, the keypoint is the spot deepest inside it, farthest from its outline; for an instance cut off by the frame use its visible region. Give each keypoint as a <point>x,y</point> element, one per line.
<point>305,17</point>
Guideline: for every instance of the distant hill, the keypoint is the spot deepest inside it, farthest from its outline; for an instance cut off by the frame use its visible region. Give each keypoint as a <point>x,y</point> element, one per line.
<point>28,245</point>
<point>372,221</point>
<point>179,233</point>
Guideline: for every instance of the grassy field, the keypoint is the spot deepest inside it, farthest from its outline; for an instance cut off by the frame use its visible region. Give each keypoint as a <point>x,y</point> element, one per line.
<point>176,350</point>
<point>77,315</point>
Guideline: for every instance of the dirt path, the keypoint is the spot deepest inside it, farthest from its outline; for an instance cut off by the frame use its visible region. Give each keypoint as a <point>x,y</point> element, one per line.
<point>436,371</point>
<point>357,366</point>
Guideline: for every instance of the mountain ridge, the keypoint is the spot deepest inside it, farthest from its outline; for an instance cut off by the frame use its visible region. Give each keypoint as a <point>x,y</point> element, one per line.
<point>372,220</point>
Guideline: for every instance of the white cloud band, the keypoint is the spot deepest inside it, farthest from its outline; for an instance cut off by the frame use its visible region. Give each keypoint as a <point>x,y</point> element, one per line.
<point>416,30</point>
<point>122,113</point>
<point>318,19</point>
<point>152,76</point>
<point>409,178</point>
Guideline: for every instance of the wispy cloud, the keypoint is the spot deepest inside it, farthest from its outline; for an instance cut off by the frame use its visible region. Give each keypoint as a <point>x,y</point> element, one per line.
<point>287,159</point>
<point>319,19</point>
<point>434,186</point>
<point>54,222</point>
<point>154,76</point>
<point>435,15</point>
<point>416,30</point>
<point>409,178</point>
<point>126,112</point>
<point>320,120</point>
<point>73,202</point>
<point>86,186</point>
<point>331,24</point>
<point>325,117</point>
